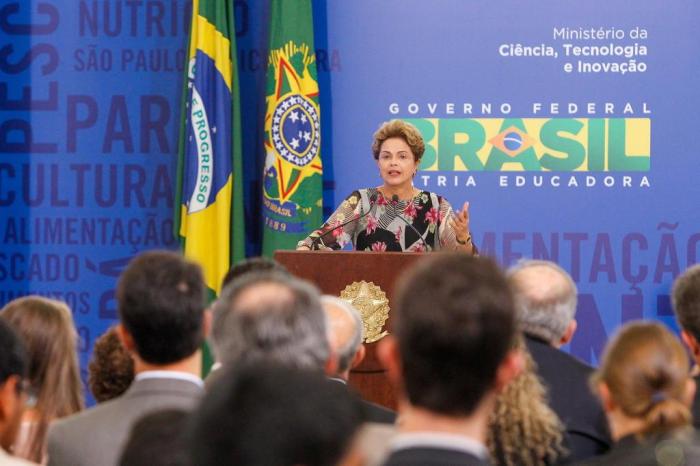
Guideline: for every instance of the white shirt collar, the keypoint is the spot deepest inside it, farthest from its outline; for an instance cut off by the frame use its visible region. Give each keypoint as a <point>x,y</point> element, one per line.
<point>215,367</point>
<point>439,440</point>
<point>170,375</point>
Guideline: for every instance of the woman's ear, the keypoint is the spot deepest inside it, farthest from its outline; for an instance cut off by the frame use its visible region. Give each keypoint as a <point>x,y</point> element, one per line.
<point>605,396</point>
<point>690,387</point>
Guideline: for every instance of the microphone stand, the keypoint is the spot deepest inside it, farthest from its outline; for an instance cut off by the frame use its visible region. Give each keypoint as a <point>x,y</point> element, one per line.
<point>318,241</point>
<point>394,201</point>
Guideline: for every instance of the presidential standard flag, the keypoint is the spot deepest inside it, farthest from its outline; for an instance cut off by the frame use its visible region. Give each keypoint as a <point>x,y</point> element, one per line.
<point>209,211</point>
<point>292,179</point>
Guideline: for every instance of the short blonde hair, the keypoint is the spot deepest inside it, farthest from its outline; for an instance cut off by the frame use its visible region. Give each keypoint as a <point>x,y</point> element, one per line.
<point>399,129</point>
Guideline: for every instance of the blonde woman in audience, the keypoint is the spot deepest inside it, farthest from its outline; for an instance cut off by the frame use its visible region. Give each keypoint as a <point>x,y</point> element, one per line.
<point>47,329</point>
<point>646,390</point>
<point>523,429</point>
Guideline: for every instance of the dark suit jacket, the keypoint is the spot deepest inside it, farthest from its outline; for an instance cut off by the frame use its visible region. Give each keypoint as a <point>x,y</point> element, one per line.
<point>571,398</point>
<point>377,413</point>
<point>659,451</point>
<point>696,404</point>
<point>372,412</point>
<point>426,456</point>
<point>95,437</point>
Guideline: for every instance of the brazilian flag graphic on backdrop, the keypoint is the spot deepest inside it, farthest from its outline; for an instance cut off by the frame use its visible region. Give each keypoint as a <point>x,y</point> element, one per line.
<point>293,176</point>
<point>209,211</point>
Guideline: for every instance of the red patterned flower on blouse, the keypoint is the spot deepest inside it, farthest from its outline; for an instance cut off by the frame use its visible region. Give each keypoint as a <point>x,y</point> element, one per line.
<point>432,216</point>
<point>381,200</point>
<point>372,224</point>
<point>410,210</point>
<point>337,230</point>
<point>417,247</point>
<point>379,246</point>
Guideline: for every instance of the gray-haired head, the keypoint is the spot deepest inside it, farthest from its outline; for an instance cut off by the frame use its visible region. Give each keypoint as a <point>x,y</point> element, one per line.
<point>270,316</point>
<point>545,297</point>
<point>344,329</point>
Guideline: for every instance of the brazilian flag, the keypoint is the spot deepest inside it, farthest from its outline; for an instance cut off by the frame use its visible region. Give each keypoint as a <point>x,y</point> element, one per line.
<point>293,174</point>
<point>209,208</point>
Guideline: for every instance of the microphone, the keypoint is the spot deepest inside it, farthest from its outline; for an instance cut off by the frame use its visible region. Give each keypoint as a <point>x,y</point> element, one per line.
<point>394,201</point>
<point>315,244</point>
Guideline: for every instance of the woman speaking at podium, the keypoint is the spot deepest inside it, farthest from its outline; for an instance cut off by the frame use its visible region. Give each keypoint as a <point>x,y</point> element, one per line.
<point>396,216</point>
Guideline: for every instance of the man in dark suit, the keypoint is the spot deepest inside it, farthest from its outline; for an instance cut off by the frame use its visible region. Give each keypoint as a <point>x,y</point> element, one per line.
<point>161,300</point>
<point>451,352</point>
<point>269,414</point>
<point>345,338</point>
<point>546,298</point>
<point>685,298</point>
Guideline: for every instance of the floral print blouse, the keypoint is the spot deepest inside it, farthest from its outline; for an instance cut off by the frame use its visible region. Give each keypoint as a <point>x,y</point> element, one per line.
<point>375,223</point>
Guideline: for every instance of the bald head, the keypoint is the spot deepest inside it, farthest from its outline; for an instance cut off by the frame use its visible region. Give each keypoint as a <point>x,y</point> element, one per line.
<point>344,330</point>
<point>545,297</point>
<point>260,295</point>
<point>270,316</point>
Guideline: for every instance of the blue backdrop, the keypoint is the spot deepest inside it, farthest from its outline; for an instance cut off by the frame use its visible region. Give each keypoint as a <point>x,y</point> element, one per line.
<point>516,99</point>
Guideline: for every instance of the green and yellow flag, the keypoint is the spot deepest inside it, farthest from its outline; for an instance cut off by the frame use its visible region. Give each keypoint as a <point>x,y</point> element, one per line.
<point>209,209</point>
<point>293,175</point>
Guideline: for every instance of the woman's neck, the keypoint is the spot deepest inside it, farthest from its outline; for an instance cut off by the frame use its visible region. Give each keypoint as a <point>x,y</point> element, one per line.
<point>403,192</point>
<point>31,415</point>
<point>622,426</point>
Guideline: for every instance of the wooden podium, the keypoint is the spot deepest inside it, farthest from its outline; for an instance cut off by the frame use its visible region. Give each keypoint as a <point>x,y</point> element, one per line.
<point>333,272</point>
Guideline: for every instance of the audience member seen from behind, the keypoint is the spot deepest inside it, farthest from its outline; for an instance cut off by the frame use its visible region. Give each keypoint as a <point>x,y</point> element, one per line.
<point>13,397</point>
<point>240,270</point>
<point>160,301</point>
<point>111,369</point>
<point>158,439</point>
<point>269,316</point>
<point>345,338</point>
<point>267,414</point>
<point>686,304</point>
<point>646,390</point>
<point>47,329</point>
<point>451,352</point>
<point>252,265</point>
<point>523,429</point>
<point>546,298</point>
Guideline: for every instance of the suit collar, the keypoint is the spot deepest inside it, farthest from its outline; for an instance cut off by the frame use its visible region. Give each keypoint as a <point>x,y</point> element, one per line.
<point>170,375</point>
<point>439,440</point>
<point>537,339</point>
<point>163,385</point>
